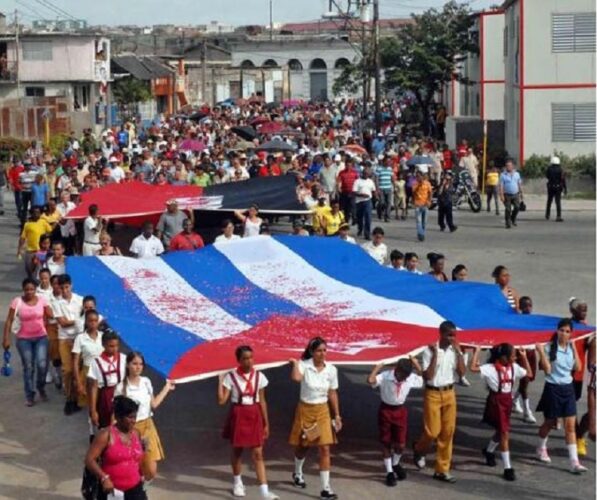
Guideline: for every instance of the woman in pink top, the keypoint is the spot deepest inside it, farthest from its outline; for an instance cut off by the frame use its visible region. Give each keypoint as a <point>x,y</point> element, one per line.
<point>121,452</point>
<point>27,318</point>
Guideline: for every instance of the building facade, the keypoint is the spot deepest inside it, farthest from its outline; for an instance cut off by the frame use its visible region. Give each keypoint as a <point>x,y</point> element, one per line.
<point>310,64</point>
<point>71,67</point>
<point>549,56</point>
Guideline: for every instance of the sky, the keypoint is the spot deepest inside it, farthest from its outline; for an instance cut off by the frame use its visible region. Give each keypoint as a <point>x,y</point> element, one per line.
<point>192,12</point>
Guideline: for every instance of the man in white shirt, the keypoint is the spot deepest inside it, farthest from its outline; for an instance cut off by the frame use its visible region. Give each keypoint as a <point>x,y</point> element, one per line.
<point>343,233</point>
<point>92,227</point>
<point>68,311</point>
<point>440,362</point>
<point>67,226</point>
<point>363,189</point>
<point>376,248</point>
<point>146,245</point>
<point>116,171</point>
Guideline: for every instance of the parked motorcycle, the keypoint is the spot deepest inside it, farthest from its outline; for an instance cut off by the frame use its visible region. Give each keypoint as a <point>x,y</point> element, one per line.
<point>465,190</point>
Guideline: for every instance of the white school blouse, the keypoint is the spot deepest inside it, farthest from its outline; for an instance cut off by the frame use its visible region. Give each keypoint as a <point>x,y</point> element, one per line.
<point>392,391</point>
<point>242,383</point>
<point>490,376</point>
<point>316,384</point>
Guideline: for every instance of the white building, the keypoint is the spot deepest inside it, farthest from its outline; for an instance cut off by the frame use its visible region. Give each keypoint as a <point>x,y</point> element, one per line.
<point>311,63</point>
<point>549,54</point>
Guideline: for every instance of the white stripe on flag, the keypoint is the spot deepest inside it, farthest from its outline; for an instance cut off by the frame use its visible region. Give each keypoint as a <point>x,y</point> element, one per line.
<point>172,299</point>
<point>272,266</point>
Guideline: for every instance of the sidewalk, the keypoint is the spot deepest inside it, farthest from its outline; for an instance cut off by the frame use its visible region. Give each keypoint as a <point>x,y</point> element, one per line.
<point>536,202</point>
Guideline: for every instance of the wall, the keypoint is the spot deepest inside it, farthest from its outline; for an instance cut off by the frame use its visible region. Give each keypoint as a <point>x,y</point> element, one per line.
<point>24,118</point>
<point>493,67</point>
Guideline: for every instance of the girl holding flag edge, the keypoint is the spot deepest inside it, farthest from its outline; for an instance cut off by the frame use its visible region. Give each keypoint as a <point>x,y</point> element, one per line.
<point>247,425</point>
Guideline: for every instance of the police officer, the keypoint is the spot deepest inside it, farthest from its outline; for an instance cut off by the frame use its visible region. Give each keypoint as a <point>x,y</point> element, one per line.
<point>556,184</point>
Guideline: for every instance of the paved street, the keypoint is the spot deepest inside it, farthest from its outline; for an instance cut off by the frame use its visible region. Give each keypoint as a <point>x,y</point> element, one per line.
<point>41,450</point>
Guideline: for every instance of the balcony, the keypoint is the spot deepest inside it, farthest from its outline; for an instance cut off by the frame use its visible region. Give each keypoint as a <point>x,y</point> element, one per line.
<point>8,71</point>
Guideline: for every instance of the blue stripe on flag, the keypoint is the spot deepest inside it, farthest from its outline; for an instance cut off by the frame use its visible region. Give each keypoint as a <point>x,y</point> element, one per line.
<point>469,305</point>
<point>161,343</point>
<point>215,277</point>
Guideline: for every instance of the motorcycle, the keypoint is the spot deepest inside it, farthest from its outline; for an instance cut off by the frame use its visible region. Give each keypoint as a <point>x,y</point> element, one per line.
<point>465,190</point>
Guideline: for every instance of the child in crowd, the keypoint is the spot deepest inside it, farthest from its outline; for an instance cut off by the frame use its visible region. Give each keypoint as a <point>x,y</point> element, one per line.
<point>394,387</point>
<point>500,373</point>
<point>397,260</point>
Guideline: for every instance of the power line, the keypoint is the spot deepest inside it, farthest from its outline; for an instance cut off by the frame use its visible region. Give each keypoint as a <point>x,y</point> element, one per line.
<point>30,8</point>
<point>57,10</point>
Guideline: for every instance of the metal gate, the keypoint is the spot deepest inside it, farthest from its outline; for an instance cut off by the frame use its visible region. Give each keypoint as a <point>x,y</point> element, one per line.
<point>319,85</point>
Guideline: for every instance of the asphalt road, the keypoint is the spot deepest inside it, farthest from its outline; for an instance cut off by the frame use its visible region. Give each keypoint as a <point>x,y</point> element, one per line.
<point>41,450</point>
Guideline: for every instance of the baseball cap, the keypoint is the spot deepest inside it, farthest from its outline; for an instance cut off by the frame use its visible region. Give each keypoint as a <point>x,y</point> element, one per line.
<point>554,160</point>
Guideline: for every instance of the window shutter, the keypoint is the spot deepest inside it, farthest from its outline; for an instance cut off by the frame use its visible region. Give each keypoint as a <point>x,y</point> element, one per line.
<point>584,122</point>
<point>573,32</point>
<point>573,122</point>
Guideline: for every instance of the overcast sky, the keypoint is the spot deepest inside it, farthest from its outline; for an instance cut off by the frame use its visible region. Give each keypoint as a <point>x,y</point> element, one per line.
<point>183,12</point>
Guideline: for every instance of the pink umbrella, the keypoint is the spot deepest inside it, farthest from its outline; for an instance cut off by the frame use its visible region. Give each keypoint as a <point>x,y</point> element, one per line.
<point>270,128</point>
<point>191,145</point>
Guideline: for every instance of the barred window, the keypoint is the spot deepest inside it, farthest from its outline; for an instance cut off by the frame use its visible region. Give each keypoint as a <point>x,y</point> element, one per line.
<point>573,122</point>
<point>573,32</point>
<point>37,50</point>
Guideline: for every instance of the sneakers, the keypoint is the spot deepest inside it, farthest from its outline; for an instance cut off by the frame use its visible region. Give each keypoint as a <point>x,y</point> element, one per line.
<point>509,475</point>
<point>581,447</point>
<point>577,468</point>
<point>418,459</point>
<point>400,472</point>
<point>298,481</point>
<point>445,477</point>
<point>529,418</point>
<point>489,457</point>
<point>49,378</point>
<point>328,495</point>
<point>239,490</point>
<point>517,408</point>
<point>271,496</point>
<point>464,382</point>
<point>543,456</point>
<point>391,479</point>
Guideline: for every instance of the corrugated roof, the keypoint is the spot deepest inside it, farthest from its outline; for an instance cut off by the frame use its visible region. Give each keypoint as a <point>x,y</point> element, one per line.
<point>140,67</point>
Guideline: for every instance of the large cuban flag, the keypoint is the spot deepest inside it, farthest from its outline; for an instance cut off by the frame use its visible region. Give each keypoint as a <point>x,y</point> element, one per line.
<point>188,311</point>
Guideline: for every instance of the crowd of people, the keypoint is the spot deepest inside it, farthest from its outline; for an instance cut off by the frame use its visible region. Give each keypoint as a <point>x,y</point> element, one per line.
<point>343,176</point>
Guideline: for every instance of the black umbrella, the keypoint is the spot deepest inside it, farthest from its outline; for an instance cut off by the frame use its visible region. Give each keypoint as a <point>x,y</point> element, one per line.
<point>197,116</point>
<point>275,145</point>
<point>247,133</point>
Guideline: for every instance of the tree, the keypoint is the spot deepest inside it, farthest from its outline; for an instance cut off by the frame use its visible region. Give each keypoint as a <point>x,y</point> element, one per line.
<point>129,90</point>
<point>423,55</point>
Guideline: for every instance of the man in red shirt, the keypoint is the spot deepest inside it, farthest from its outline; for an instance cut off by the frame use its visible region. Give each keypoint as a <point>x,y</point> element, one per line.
<point>187,239</point>
<point>346,180</point>
<point>447,163</point>
<point>462,149</point>
<point>15,186</point>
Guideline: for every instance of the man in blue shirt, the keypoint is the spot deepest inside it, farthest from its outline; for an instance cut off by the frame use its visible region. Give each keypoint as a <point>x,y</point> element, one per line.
<point>378,145</point>
<point>40,192</point>
<point>385,178</point>
<point>510,189</point>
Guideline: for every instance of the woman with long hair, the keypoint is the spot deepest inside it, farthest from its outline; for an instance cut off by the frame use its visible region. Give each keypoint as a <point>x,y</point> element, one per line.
<point>558,360</point>
<point>501,275</point>
<point>317,417</point>
<point>251,220</point>
<point>247,426</point>
<point>140,390</point>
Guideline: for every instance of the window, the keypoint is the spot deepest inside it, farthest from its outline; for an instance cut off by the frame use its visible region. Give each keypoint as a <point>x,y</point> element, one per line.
<point>37,50</point>
<point>81,97</point>
<point>35,92</point>
<point>573,32</point>
<point>573,122</point>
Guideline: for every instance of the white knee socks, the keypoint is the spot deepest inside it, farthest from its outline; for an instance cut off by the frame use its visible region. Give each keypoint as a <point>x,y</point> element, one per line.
<point>387,462</point>
<point>298,466</point>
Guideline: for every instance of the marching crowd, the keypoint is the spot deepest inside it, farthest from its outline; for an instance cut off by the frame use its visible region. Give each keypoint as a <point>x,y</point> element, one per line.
<point>62,337</point>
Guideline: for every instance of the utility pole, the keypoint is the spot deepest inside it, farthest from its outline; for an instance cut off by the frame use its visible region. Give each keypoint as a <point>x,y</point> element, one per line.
<point>17,58</point>
<point>377,61</point>
<point>365,63</point>
<point>203,71</point>
<point>271,19</point>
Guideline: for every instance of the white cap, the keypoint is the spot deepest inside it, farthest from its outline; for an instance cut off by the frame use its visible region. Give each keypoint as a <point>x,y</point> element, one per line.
<point>555,160</point>
<point>380,156</point>
<point>337,158</point>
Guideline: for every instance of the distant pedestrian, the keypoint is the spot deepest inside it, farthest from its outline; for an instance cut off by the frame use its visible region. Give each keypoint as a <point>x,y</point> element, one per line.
<point>363,189</point>
<point>556,185</point>
<point>492,181</point>
<point>444,203</point>
<point>511,192</point>
<point>422,193</point>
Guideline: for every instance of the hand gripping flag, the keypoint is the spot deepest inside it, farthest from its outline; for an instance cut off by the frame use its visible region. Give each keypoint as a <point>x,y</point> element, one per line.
<point>188,311</point>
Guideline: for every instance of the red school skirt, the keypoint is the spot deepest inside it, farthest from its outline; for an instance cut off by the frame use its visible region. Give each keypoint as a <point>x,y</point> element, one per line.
<point>105,398</point>
<point>393,423</point>
<point>244,426</point>
<point>498,409</point>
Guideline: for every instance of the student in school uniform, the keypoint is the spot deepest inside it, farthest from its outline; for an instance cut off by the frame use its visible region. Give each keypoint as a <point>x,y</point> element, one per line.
<point>500,374</point>
<point>317,417</point>
<point>394,387</point>
<point>140,390</point>
<point>105,373</point>
<point>441,361</point>
<point>247,425</point>
<point>558,360</point>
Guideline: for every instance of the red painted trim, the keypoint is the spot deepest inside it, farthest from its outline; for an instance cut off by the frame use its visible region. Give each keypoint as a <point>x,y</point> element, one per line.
<point>482,64</point>
<point>453,93</point>
<point>555,86</point>
<point>521,96</point>
<point>486,82</point>
<point>492,12</point>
